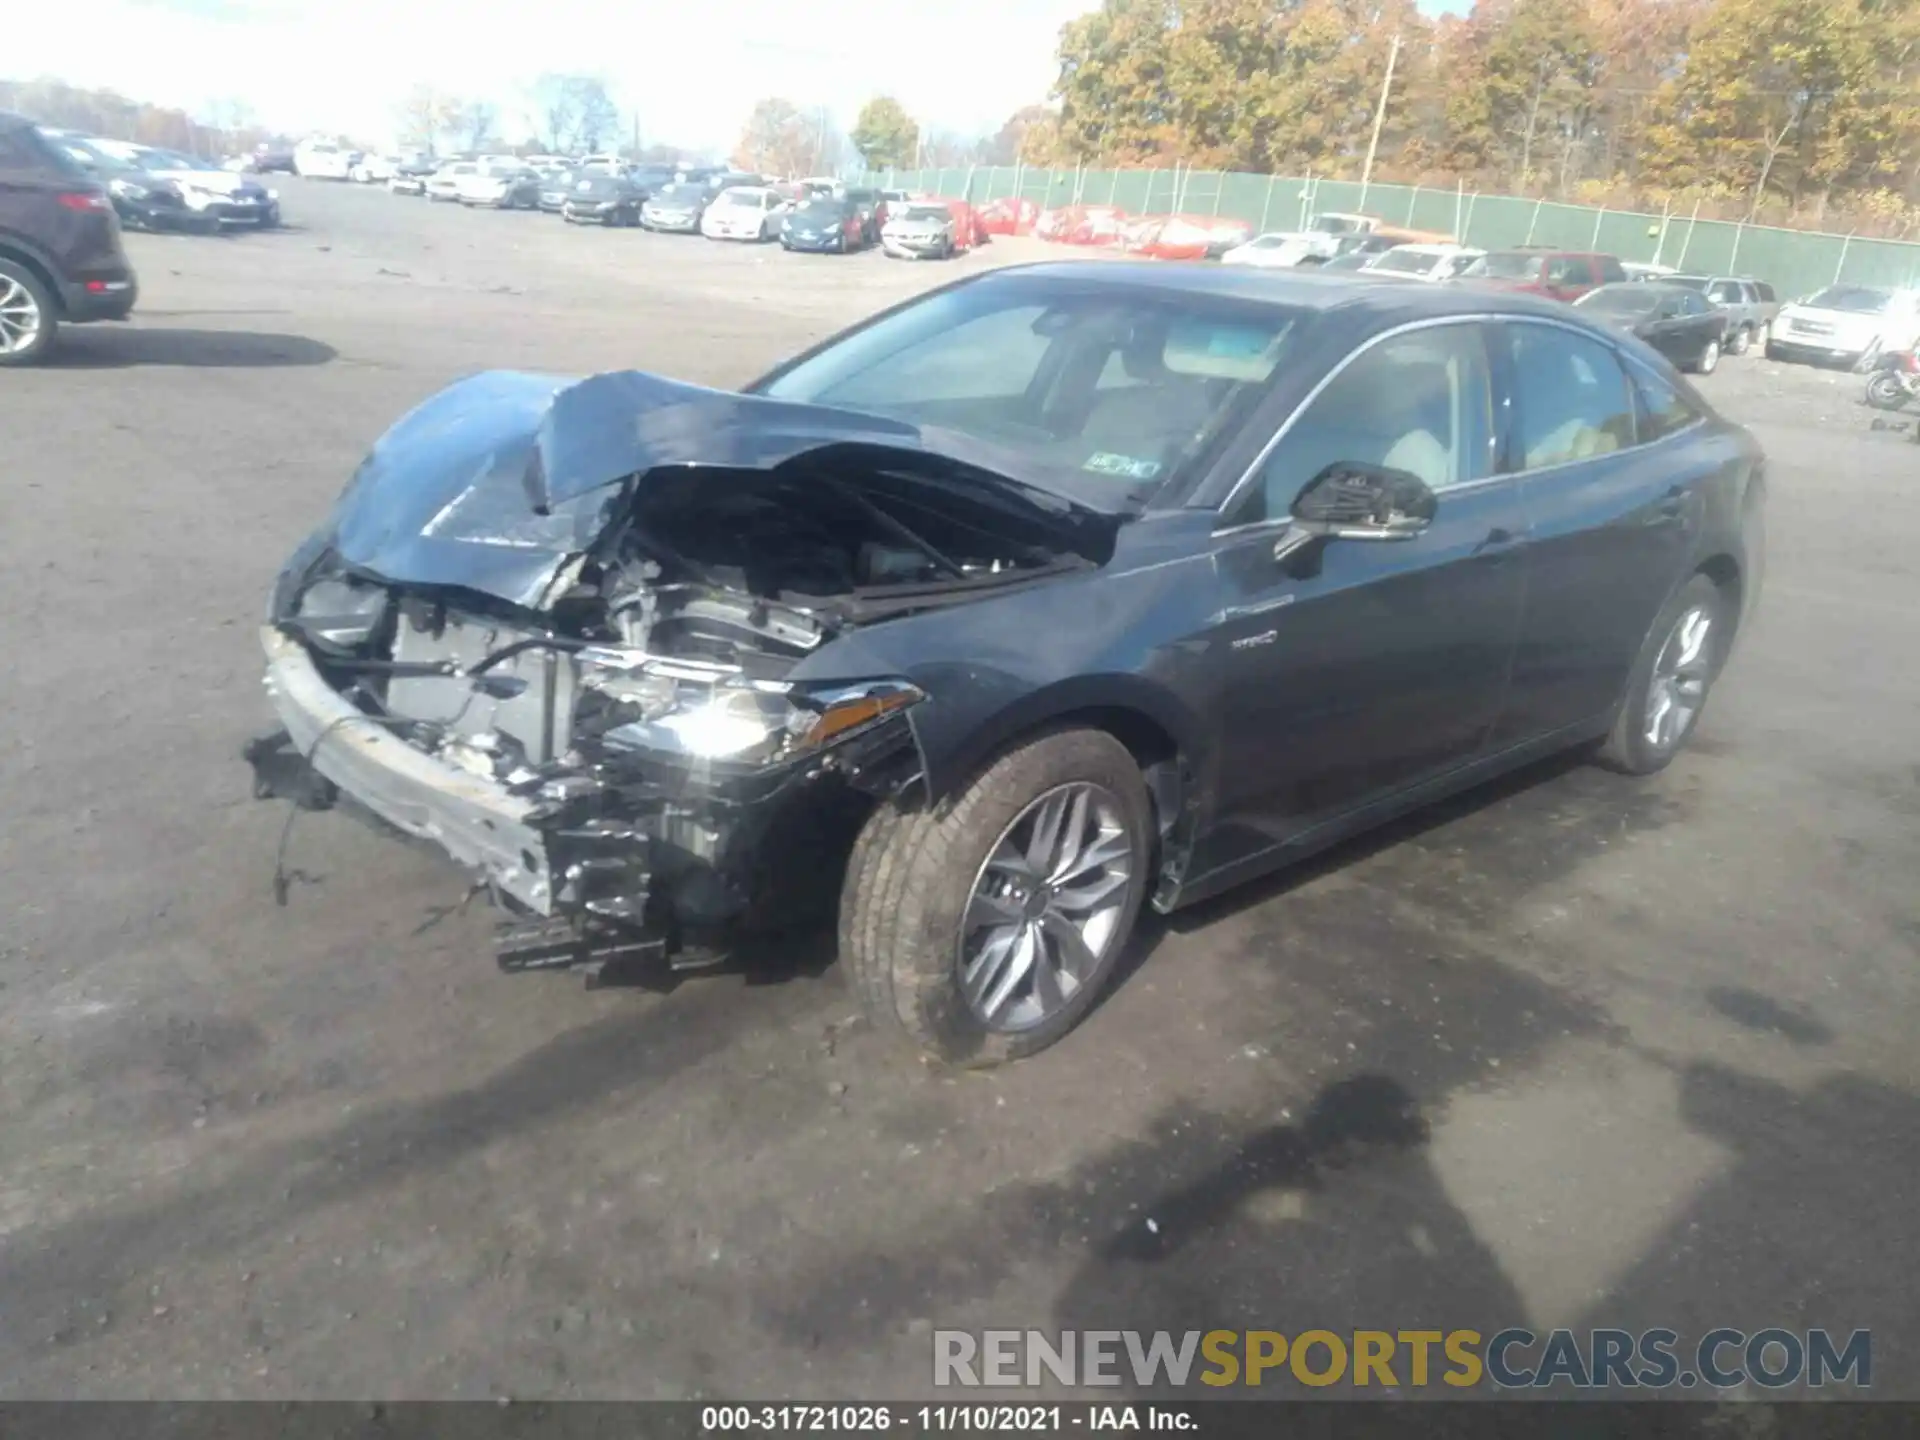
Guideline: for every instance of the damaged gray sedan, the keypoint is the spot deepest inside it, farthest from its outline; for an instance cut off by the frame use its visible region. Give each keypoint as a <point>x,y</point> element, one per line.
<point>1049,594</point>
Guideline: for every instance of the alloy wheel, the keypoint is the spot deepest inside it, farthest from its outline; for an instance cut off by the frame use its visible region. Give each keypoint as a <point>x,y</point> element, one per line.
<point>1678,686</point>
<point>20,317</point>
<point>1046,907</point>
<point>1710,357</point>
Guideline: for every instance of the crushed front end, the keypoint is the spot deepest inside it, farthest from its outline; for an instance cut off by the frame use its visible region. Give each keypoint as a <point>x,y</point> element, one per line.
<point>596,683</point>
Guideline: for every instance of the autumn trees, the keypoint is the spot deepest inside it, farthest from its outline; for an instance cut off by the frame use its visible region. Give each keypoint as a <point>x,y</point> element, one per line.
<point>1770,105</point>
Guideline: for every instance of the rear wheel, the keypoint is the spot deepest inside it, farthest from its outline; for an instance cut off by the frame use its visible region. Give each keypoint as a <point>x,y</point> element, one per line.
<point>1709,359</point>
<point>28,318</point>
<point>1742,341</point>
<point>1885,392</point>
<point>1667,690</point>
<point>986,928</point>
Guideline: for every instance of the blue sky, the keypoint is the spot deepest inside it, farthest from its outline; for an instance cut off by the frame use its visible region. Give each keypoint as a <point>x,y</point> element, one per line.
<point>691,69</point>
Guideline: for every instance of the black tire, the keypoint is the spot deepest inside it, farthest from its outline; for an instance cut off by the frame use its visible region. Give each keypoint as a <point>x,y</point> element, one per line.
<point>33,351</point>
<point>1740,342</point>
<point>1627,747</point>
<point>1773,352</point>
<point>1885,392</point>
<point>1708,360</point>
<point>911,876</point>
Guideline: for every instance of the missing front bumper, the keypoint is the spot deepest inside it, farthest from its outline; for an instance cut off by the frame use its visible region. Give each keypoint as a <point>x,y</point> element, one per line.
<point>479,823</point>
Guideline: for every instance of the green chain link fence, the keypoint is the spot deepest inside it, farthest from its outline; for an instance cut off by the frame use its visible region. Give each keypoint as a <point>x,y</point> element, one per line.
<point>1794,262</point>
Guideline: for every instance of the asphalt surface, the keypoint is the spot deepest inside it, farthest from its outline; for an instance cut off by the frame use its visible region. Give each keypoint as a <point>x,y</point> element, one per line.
<point>1576,1050</point>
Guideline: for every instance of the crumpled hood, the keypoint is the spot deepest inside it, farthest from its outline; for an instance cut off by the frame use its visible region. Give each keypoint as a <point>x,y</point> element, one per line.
<point>500,479</point>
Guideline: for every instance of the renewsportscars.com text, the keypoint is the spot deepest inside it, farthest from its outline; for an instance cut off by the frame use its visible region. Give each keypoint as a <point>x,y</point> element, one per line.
<point>1509,1359</point>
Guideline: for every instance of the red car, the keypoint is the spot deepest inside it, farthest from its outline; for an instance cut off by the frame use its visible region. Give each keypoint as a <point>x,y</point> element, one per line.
<point>1556,274</point>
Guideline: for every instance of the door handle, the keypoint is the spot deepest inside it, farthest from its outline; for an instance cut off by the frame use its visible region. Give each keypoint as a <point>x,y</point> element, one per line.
<point>1498,538</point>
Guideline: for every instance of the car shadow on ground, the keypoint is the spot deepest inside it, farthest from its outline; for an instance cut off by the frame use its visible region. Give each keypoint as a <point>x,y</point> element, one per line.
<point>1502,812</point>
<point>108,347</point>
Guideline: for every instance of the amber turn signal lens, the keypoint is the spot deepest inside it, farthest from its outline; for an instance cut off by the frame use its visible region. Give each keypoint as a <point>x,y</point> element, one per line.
<point>852,714</point>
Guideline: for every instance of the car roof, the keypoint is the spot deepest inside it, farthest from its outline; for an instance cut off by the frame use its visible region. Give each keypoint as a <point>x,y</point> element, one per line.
<point>1307,289</point>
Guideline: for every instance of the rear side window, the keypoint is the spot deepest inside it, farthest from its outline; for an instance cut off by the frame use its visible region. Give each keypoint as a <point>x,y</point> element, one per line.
<point>1764,290</point>
<point>22,148</point>
<point>1661,409</point>
<point>1726,292</point>
<point>1571,395</point>
<point>1567,270</point>
<point>1610,270</point>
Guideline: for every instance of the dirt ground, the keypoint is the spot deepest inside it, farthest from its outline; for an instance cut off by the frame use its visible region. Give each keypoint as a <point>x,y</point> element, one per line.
<point>1659,1035</point>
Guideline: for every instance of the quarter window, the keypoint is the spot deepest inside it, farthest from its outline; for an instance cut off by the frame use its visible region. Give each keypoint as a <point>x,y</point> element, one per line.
<point>1419,402</point>
<point>1662,410</point>
<point>1571,396</point>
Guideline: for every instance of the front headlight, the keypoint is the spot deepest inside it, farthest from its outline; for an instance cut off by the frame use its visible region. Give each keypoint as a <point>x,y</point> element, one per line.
<point>338,614</point>
<point>702,712</point>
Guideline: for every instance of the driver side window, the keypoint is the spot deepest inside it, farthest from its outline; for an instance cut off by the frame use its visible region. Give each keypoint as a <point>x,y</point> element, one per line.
<point>1420,402</point>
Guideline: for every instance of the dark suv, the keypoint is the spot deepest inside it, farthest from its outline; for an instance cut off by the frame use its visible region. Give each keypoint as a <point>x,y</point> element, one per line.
<point>60,255</point>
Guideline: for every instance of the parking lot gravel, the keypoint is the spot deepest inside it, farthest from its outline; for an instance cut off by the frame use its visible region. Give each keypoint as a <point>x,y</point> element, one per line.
<point>1574,1050</point>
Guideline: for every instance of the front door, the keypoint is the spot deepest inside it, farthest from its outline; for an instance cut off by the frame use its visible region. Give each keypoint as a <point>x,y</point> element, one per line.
<point>1358,668</point>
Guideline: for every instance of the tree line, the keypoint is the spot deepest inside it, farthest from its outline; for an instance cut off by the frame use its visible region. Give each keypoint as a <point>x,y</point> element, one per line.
<point>1765,110</point>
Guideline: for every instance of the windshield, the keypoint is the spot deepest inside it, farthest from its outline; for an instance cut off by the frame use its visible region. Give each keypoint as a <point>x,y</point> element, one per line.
<point>1508,266</point>
<point>1853,299</point>
<point>1125,385</point>
<point>1692,282</point>
<point>1406,262</point>
<point>739,196</point>
<point>1628,299</point>
<point>924,214</point>
<point>822,210</point>
<point>680,194</point>
<point>1352,260</point>
<point>1336,225</point>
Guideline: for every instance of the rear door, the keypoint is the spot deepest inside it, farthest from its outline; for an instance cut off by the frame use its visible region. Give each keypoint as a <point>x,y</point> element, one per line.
<point>1611,520</point>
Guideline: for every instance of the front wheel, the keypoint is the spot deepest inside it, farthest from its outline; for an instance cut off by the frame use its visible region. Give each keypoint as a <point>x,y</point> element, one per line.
<point>986,927</point>
<point>1667,690</point>
<point>1885,392</point>
<point>28,322</point>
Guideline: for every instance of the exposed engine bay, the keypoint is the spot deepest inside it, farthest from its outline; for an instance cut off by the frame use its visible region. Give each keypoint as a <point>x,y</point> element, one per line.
<point>645,703</point>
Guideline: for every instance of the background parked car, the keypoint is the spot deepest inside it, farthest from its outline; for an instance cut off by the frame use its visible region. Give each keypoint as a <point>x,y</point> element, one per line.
<point>216,196</point>
<point>268,158</point>
<point>917,230</point>
<point>1750,306</point>
<point>676,208</point>
<point>555,186</point>
<point>324,160</point>
<point>602,197</point>
<point>1433,263</point>
<point>61,261</point>
<point>1265,252</point>
<point>498,184</point>
<point>143,201</point>
<point>1850,324</point>
<point>1676,320</point>
<point>373,169</point>
<point>1556,274</point>
<point>824,223</point>
<point>743,212</point>
<point>410,172</point>
<point>444,183</point>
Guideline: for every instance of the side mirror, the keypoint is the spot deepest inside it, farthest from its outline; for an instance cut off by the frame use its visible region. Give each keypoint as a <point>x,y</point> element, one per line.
<point>1352,501</point>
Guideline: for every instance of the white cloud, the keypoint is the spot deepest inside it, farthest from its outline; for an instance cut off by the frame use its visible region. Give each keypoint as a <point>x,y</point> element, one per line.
<point>691,69</point>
